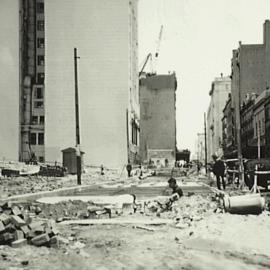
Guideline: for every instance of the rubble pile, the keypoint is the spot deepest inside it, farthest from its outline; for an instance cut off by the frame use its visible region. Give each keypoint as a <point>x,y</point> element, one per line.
<point>186,210</point>
<point>68,210</point>
<point>18,227</point>
<point>189,210</point>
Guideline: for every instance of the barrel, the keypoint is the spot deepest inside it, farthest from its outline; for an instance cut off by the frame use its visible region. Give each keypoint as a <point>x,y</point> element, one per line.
<point>244,204</point>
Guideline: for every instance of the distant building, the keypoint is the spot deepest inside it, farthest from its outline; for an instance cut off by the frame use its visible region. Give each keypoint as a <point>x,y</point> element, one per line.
<point>158,118</point>
<point>105,33</point>
<point>200,148</point>
<point>220,89</point>
<point>259,122</point>
<point>228,129</point>
<point>249,149</point>
<point>254,126</point>
<point>267,126</point>
<point>250,71</point>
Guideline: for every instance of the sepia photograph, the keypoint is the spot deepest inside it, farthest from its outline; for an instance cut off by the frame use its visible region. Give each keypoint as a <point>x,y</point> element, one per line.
<point>134,134</point>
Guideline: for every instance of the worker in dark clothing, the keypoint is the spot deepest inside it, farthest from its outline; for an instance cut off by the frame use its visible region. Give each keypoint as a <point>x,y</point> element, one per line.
<point>129,169</point>
<point>218,170</point>
<point>175,188</point>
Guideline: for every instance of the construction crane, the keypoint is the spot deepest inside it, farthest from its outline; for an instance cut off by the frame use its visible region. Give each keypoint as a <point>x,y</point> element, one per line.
<point>149,55</point>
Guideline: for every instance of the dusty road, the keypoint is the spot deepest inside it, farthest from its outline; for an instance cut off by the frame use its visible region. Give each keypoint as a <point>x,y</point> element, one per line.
<point>200,237</point>
<point>125,247</point>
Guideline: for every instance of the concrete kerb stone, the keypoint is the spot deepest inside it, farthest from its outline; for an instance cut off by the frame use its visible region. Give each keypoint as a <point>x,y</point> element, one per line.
<point>56,192</point>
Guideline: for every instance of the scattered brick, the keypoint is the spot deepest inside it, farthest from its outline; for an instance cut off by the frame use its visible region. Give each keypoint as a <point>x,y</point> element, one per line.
<point>18,235</point>
<point>41,240</point>
<point>5,219</point>
<point>25,229</point>
<point>19,243</point>
<point>2,227</point>
<point>16,211</point>
<point>17,221</point>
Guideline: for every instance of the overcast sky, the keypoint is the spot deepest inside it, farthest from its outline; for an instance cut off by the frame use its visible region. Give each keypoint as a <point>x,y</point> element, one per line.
<point>197,43</point>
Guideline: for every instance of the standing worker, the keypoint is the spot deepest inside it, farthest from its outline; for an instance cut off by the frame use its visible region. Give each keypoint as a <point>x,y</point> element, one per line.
<point>129,168</point>
<point>218,170</point>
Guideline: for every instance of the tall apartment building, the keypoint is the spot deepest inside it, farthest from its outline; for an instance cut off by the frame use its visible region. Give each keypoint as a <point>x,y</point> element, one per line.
<point>158,118</point>
<point>31,86</point>
<point>250,70</point>
<point>220,89</point>
<point>105,34</point>
<point>9,79</point>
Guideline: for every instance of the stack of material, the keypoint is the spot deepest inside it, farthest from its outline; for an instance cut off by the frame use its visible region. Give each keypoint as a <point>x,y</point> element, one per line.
<point>17,228</point>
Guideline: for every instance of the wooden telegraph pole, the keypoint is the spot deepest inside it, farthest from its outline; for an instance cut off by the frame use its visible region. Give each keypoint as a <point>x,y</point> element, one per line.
<point>77,120</point>
<point>205,144</point>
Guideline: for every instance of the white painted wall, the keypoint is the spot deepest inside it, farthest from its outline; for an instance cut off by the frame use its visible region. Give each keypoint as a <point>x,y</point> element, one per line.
<point>99,29</point>
<point>9,79</point>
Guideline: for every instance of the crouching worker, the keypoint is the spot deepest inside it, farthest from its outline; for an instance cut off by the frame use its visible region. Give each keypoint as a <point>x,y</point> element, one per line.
<point>177,192</point>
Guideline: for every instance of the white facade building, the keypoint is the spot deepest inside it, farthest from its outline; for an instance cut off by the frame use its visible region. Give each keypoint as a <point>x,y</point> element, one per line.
<point>220,89</point>
<point>105,34</point>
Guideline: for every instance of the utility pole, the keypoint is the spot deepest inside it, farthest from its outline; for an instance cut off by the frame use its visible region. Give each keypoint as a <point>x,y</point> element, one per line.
<point>77,120</point>
<point>259,140</point>
<point>238,123</point>
<point>205,144</point>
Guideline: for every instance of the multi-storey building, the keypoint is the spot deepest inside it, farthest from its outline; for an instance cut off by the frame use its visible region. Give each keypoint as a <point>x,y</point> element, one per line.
<point>32,61</point>
<point>259,123</point>
<point>250,72</point>
<point>220,89</point>
<point>267,126</point>
<point>228,128</point>
<point>37,45</point>
<point>249,149</point>
<point>105,34</point>
<point>158,118</point>
<point>9,79</point>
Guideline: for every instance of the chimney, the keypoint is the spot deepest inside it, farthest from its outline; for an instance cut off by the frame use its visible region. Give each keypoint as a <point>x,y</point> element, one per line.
<point>266,34</point>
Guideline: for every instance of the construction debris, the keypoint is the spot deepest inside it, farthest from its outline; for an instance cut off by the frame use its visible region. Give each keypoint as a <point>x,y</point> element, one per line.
<point>17,228</point>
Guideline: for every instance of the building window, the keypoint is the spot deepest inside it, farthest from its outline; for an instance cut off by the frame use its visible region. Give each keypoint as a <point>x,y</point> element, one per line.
<point>41,159</point>
<point>40,7</point>
<point>38,104</point>
<point>40,43</point>
<point>41,120</point>
<point>40,78</point>
<point>34,120</point>
<point>39,93</point>
<point>40,25</point>
<point>40,138</point>
<point>33,139</point>
<point>40,60</point>
<point>134,133</point>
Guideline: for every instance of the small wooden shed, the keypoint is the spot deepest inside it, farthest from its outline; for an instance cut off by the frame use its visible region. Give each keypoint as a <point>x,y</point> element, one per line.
<point>70,159</point>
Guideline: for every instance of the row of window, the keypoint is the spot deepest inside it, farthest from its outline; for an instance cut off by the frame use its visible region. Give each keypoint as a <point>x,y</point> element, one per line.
<point>41,43</point>
<point>40,7</point>
<point>134,133</point>
<point>40,60</point>
<point>40,77</point>
<point>40,25</point>
<point>37,138</point>
<point>38,120</point>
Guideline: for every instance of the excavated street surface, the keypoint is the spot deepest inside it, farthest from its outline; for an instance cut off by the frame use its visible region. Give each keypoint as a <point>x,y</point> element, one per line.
<point>200,236</point>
